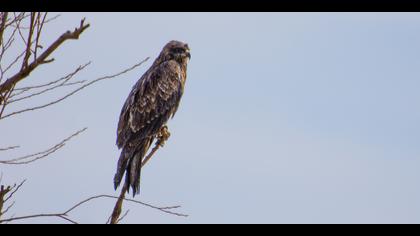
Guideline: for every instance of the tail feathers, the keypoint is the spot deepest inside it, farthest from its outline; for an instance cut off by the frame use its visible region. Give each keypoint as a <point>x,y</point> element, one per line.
<point>133,174</point>
<point>125,156</point>
<point>130,163</point>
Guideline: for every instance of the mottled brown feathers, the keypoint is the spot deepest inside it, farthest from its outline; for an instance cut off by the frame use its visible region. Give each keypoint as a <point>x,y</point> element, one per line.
<point>152,101</point>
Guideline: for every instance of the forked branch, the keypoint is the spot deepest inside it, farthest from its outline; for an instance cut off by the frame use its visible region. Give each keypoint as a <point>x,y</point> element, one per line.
<point>42,59</point>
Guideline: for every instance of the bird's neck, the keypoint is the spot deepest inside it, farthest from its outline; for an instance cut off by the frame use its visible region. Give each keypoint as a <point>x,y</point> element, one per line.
<point>184,74</point>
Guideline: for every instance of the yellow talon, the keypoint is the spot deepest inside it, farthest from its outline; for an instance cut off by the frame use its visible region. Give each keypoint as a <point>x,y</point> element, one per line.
<point>163,135</point>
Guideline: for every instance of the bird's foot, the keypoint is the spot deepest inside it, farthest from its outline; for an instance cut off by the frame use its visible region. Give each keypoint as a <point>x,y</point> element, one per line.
<point>163,135</point>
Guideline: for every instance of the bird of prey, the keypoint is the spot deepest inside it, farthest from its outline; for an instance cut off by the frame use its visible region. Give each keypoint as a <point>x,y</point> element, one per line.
<point>153,100</point>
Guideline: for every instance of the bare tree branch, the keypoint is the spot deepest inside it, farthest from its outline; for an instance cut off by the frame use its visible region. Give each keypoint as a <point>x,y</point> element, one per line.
<point>9,148</point>
<point>122,217</point>
<point>7,85</point>
<point>40,155</point>
<point>64,215</point>
<point>13,62</point>
<point>52,18</point>
<point>116,212</point>
<point>161,140</point>
<point>9,41</point>
<point>52,82</point>
<point>65,79</point>
<point>18,25</point>
<point>14,189</point>
<point>28,42</point>
<point>6,194</point>
<point>74,91</point>
<point>3,192</point>
<point>15,20</point>
<point>2,25</point>
<point>39,25</point>
<point>4,98</point>
<point>7,209</point>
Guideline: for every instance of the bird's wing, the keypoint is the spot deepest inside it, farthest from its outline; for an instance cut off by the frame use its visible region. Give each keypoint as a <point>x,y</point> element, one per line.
<point>153,99</point>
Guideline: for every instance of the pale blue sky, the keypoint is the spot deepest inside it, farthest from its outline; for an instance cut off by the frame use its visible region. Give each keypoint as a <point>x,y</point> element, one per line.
<point>286,118</point>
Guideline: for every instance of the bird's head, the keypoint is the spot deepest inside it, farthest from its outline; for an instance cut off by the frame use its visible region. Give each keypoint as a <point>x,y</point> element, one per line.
<point>175,50</point>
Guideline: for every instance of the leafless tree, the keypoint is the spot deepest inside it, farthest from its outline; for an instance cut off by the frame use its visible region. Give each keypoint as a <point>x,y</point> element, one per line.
<point>22,51</point>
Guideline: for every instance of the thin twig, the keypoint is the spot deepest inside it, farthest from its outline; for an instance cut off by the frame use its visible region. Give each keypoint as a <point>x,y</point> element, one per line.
<point>28,42</point>
<point>62,84</point>
<point>3,192</point>
<point>9,148</point>
<point>52,18</point>
<point>7,209</point>
<point>13,62</point>
<point>3,25</point>
<point>163,209</point>
<point>6,193</point>
<point>81,67</point>
<point>19,28</point>
<point>3,100</point>
<point>40,155</point>
<point>21,16</point>
<point>40,24</point>
<point>60,215</point>
<point>9,42</point>
<point>162,137</point>
<point>123,216</point>
<point>14,189</point>
<point>154,150</point>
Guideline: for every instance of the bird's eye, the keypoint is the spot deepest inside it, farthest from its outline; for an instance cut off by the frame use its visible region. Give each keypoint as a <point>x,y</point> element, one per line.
<point>178,50</point>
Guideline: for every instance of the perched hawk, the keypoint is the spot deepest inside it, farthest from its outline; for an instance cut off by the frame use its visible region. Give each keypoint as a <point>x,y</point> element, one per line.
<point>153,100</point>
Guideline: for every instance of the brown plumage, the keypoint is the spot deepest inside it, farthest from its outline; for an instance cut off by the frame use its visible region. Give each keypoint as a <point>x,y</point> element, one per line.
<point>153,100</point>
